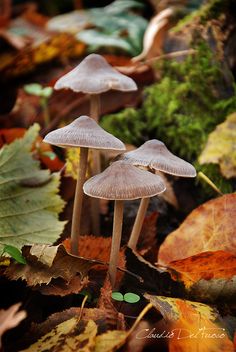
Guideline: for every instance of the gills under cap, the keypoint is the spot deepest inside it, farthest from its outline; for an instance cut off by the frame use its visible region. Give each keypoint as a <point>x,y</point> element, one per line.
<point>84,132</point>
<point>154,154</point>
<point>94,76</point>
<point>123,181</point>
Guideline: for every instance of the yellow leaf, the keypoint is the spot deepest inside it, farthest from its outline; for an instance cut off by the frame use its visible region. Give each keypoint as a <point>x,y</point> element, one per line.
<point>191,326</point>
<point>68,336</point>
<point>221,147</point>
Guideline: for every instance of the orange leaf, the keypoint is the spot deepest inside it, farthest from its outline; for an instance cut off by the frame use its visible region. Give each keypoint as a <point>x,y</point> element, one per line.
<point>210,227</point>
<point>191,326</point>
<point>207,266</point>
<point>98,248</point>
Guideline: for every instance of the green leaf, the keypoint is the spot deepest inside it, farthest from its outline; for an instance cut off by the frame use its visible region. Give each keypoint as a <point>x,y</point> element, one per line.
<point>28,210</point>
<point>117,296</point>
<point>131,297</point>
<point>119,6</point>
<point>14,253</point>
<point>49,154</point>
<point>99,39</point>
<point>34,89</point>
<point>47,92</point>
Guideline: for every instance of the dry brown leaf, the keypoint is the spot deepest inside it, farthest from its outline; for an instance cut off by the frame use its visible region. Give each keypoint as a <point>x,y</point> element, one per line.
<point>192,326</point>
<point>10,318</point>
<point>39,330</point>
<point>210,227</point>
<point>45,263</point>
<point>114,318</point>
<point>60,287</point>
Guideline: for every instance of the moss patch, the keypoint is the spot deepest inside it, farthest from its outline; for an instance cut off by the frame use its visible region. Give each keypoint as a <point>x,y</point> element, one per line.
<point>181,109</point>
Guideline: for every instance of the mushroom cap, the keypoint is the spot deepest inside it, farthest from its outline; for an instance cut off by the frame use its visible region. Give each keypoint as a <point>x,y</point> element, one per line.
<point>123,181</point>
<point>94,76</point>
<point>83,132</point>
<point>154,154</point>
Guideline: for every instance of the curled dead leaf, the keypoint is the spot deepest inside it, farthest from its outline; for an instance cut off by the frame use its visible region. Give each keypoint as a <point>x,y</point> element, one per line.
<point>45,263</point>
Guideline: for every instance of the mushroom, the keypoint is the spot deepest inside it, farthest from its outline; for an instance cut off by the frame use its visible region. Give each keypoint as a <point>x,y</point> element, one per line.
<point>94,76</point>
<point>154,156</point>
<point>122,181</point>
<point>85,133</point>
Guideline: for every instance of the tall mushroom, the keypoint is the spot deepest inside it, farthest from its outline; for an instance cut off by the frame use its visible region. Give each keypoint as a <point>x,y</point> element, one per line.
<point>154,156</point>
<point>122,181</point>
<point>94,76</point>
<point>85,133</point>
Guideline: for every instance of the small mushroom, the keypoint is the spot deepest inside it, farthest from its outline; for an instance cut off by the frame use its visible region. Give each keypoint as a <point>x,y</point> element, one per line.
<point>94,76</point>
<point>122,181</point>
<point>85,133</point>
<point>154,156</point>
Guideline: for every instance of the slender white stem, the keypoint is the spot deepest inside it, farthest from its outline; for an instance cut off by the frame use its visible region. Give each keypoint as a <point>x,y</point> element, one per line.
<point>78,201</point>
<point>116,240</point>
<point>96,166</point>
<point>138,223</point>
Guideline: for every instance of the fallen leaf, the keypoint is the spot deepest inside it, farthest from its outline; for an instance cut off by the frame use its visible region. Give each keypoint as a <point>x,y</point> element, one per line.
<point>98,248</point>
<point>33,46</point>
<point>10,318</point>
<point>38,330</point>
<point>149,278</point>
<point>210,227</point>
<point>45,263</point>
<point>208,276</point>
<point>192,326</point>
<point>113,317</point>
<point>221,147</point>
<point>71,335</point>
<point>43,150</point>
<point>207,266</point>
<point>28,196</point>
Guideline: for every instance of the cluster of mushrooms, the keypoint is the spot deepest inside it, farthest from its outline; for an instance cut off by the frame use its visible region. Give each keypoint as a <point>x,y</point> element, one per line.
<point>131,175</point>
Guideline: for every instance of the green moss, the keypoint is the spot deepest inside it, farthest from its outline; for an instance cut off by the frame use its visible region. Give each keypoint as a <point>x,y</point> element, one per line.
<point>126,125</point>
<point>181,109</point>
<point>211,10</point>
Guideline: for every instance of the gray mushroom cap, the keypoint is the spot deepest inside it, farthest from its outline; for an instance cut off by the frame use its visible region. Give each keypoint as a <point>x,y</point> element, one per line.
<point>154,155</point>
<point>94,76</point>
<point>123,181</point>
<point>84,132</point>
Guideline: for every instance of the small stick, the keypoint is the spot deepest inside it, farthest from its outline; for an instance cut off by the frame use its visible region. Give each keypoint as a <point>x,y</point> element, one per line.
<point>138,223</point>
<point>78,200</point>
<point>116,240</point>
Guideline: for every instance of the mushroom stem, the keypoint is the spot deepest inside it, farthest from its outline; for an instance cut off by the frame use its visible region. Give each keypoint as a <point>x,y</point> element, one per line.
<point>78,200</point>
<point>96,166</point>
<point>138,223</point>
<point>95,106</point>
<point>116,239</point>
